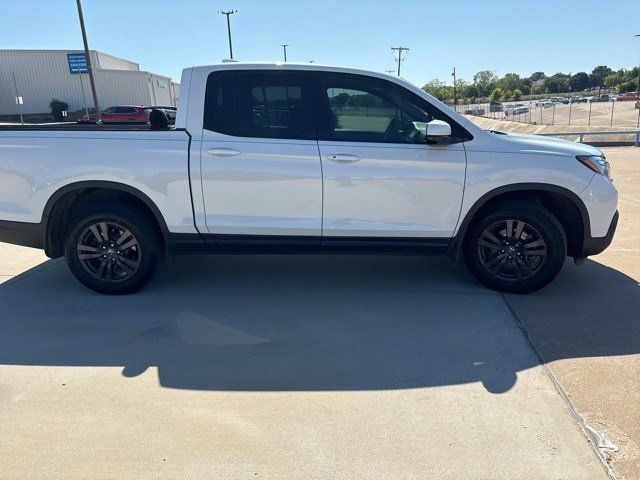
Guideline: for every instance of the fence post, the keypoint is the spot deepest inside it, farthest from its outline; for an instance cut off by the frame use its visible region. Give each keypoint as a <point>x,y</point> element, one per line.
<point>590,105</point>
<point>581,138</point>
<point>553,117</point>
<point>638,138</point>
<point>570,105</point>
<point>613,103</point>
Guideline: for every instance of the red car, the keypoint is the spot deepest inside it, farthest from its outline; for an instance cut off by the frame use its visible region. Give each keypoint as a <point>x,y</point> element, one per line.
<point>627,96</point>
<point>121,114</point>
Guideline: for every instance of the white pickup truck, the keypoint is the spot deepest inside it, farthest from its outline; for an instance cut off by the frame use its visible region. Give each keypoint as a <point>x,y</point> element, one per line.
<point>303,158</point>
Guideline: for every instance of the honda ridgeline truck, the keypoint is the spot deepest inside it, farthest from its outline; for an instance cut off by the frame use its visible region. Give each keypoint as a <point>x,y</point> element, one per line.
<point>303,159</point>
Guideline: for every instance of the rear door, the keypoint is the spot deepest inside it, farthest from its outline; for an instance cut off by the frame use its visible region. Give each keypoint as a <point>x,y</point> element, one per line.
<point>261,172</point>
<point>382,178</point>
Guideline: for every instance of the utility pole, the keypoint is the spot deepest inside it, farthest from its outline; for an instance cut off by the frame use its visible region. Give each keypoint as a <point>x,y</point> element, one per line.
<point>400,50</point>
<point>455,91</point>
<point>285,51</point>
<point>228,13</point>
<point>96,105</point>
<point>638,101</point>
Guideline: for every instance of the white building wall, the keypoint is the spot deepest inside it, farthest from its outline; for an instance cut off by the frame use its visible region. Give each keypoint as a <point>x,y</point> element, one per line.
<point>44,74</point>
<point>115,63</point>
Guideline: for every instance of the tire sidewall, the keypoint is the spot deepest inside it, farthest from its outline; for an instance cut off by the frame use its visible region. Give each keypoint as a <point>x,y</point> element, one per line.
<point>151,253</point>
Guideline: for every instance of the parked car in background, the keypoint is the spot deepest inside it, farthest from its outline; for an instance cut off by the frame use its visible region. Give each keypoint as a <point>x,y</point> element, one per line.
<point>477,111</point>
<point>559,100</point>
<point>600,98</point>
<point>578,99</point>
<point>120,114</point>
<point>629,96</point>
<point>543,103</point>
<point>516,109</point>
<point>495,107</point>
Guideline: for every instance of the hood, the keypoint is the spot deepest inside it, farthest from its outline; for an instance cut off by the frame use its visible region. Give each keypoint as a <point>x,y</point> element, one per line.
<point>540,144</point>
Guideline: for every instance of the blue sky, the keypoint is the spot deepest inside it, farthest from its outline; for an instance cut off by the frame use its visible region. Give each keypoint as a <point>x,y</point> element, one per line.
<point>506,36</point>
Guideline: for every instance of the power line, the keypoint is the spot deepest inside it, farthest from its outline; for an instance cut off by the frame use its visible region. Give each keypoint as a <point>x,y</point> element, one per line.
<point>228,13</point>
<point>285,50</point>
<point>399,59</point>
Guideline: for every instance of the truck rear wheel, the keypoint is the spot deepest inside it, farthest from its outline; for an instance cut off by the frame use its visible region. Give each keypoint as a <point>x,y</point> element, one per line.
<point>520,247</point>
<point>113,250</point>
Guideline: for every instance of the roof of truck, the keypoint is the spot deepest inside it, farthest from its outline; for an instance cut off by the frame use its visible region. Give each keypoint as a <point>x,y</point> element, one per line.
<point>290,66</point>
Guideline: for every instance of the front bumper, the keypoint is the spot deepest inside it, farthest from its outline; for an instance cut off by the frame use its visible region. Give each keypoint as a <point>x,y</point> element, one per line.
<point>594,245</point>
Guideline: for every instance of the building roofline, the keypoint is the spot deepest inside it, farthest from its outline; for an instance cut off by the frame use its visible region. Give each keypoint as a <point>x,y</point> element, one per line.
<point>66,50</point>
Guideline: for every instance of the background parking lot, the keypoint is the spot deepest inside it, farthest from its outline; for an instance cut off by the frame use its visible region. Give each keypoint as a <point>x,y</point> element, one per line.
<point>337,366</point>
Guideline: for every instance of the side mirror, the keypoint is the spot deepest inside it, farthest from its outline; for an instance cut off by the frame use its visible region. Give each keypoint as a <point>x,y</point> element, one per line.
<point>438,128</point>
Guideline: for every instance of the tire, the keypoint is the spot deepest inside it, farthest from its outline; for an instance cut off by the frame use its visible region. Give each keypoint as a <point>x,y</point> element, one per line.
<point>121,263</point>
<point>504,261</point>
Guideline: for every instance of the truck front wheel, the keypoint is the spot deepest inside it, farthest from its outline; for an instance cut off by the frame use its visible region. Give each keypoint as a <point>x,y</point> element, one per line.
<point>519,247</point>
<point>113,249</point>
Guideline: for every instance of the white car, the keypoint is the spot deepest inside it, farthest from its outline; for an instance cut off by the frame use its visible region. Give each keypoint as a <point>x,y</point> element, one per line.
<point>303,158</point>
<point>516,109</point>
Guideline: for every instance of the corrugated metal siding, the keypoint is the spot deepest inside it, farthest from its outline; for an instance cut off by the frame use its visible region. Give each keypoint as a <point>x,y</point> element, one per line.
<point>43,75</point>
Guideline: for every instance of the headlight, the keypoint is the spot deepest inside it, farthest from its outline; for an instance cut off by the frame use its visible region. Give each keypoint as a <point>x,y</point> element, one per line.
<point>596,163</point>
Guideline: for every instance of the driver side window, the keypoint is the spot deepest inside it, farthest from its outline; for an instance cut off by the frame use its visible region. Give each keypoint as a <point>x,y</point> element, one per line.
<point>369,111</point>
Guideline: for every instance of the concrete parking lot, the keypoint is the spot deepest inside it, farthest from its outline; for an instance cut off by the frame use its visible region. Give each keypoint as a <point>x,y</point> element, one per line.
<point>322,367</point>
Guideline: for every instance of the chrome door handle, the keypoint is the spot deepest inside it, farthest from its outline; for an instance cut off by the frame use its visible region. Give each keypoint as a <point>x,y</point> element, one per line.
<point>342,158</point>
<point>223,152</point>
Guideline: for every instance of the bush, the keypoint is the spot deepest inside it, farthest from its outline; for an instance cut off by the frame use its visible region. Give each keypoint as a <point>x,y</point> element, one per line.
<point>516,95</point>
<point>57,107</point>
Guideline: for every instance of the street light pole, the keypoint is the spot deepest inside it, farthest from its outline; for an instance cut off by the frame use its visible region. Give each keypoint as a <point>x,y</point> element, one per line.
<point>285,51</point>
<point>96,105</point>
<point>228,13</point>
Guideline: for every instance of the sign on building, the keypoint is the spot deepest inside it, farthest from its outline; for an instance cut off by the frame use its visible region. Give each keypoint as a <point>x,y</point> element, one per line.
<point>77,63</point>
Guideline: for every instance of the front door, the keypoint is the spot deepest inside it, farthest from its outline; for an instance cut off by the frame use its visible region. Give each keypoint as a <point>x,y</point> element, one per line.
<point>261,172</point>
<point>383,179</point>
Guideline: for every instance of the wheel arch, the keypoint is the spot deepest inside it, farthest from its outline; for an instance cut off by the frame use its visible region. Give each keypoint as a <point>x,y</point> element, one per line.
<point>562,202</point>
<point>57,209</point>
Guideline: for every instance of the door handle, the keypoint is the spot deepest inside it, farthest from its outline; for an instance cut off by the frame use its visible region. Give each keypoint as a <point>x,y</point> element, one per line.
<point>343,158</point>
<point>223,152</point>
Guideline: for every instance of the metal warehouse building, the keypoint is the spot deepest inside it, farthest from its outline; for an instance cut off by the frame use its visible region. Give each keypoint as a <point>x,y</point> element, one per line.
<point>40,75</point>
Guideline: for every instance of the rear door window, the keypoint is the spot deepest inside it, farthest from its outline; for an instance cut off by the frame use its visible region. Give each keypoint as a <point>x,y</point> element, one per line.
<point>262,104</point>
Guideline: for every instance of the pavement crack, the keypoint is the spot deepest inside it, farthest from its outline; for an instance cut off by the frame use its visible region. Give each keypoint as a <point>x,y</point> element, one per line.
<point>600,443</point>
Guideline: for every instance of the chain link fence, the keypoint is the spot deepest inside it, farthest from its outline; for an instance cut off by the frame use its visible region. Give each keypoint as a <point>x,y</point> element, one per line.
<point>588,111</point>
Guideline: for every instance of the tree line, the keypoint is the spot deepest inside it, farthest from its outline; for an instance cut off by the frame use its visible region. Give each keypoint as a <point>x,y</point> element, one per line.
<point>487,85</point>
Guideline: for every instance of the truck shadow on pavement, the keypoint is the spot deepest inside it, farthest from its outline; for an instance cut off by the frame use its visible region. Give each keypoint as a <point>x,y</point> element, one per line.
<point>307,323</point>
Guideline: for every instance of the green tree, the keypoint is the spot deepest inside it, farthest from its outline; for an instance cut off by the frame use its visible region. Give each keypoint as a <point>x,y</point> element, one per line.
<point>495,95</point>
<point>598,75</point>
<point>438,89</point>
<point>485,81</point>
<point>557,83</point>
<point>580,81</point>
<point>537,76</point>
<point>57,107</point>
<point>516,95</point>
